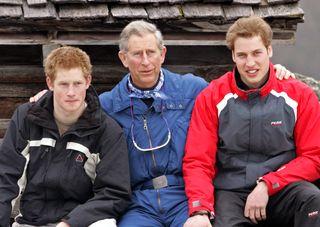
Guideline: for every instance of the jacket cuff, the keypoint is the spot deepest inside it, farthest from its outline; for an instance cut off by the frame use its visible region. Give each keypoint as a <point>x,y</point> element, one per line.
<point>197,205</point>
<point>273,183</point>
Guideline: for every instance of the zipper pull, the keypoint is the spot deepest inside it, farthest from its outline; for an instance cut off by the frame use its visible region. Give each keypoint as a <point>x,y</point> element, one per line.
<point>45,151</point>
<point>145,126</point>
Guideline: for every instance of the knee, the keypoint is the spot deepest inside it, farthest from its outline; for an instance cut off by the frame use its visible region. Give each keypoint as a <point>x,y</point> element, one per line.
<point>111,222</point>
<point>309,195</point>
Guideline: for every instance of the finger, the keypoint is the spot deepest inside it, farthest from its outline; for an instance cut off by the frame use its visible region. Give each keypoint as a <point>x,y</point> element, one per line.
<point>246,212</point>
<point>263,214</point>
<point>282,73</point>
<point>42,92</point>
<point>287,75</point>
<point>252,216</point>
<point>258,214</point>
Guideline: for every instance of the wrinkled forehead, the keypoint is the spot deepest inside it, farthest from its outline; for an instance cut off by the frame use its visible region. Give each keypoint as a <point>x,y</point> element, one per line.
<point>145,41</point>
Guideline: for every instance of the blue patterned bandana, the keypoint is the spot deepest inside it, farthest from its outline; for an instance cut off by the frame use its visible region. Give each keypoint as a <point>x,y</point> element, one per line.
<point>145,94</point>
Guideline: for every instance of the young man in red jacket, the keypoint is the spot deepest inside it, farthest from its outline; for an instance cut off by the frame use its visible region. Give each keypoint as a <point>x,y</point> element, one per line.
<point>253,143</point>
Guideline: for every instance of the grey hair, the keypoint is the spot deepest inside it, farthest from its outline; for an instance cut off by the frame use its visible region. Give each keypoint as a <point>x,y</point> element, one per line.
<point>139,28</point>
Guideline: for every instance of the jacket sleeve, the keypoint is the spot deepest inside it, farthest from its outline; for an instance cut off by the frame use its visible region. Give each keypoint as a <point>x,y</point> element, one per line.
<point>11,165</point>
<point>111,186</point>
<point>306,165</point>
<point>200,154</point>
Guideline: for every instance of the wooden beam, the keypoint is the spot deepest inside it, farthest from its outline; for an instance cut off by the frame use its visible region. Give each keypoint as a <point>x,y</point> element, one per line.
<point>79,11</point>
<point>11,2</point>
<point>25,75</point>
<point>164,12</point>
<point>8,105</point>
<point>44,11</point>
<point>191,10</point>
<point>23,38</point>
<point>37,2</point>
<point>127,11</point>
<point>11,11</point>
<point>46,49</point>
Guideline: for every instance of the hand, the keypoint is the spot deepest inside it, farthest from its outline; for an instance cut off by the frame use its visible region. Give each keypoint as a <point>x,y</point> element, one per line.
<point>282,72</point>
<point>62,224</point>
<point>198,221</point>
<point>256,203</point>
<point>37,96</point>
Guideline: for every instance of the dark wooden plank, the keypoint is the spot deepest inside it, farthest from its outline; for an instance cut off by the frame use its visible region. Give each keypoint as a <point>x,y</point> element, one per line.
<point>208,72</point>
<point>20,55</point>
<point>3,126</point>
<point>19,90</point>
<point>29,75</point>
<point>146,1</point>
<point>181,1</point>
<point>108,1</point>
<point>198,55</point>
<point>8,105</point>
<point>281,1</point>
<point>21,74</point>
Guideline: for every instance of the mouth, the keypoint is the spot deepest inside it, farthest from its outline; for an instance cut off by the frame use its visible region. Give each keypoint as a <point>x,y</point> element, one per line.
<point>71,101</point>
<point>252,72</point>
<point>146,71</point>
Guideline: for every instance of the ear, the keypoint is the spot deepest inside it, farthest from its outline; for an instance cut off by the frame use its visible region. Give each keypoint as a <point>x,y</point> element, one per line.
<point>123,57</point>
<point>233,57</point>
<point>163,54</point>
<point>270,51</point>
<point>88,81</point>
<point>49,83</point>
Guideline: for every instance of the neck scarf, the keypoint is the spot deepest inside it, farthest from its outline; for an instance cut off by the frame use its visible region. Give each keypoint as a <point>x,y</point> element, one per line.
<point>145,94</point>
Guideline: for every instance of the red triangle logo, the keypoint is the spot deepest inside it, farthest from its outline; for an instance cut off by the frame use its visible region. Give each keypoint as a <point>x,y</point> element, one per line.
<point>79,158</point>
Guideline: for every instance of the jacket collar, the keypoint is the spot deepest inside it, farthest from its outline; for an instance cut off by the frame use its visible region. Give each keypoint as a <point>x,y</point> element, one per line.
<point>41,113</point>
<point>121,92</point>
<point>263,91</point>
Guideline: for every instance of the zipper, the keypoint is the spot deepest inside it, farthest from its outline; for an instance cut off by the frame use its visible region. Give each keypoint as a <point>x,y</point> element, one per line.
<point>145,127</point>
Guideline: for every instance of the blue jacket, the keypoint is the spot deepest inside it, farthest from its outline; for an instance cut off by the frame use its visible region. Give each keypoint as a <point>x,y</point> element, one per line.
<point>176,107</point>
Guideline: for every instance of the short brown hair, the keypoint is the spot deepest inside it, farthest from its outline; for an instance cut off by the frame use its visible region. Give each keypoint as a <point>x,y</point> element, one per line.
<point>248,27</point>
<point>67,57</point>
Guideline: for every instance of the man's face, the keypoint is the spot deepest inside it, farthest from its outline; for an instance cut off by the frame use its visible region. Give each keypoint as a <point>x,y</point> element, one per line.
<point>143,59</point>
<point>69,90</point>
<point>252,59</point>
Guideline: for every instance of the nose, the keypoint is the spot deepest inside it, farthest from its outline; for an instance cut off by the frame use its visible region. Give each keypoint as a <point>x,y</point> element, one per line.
<point>250,61</point>
<point>145,59</point>
<point>71,90</point>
